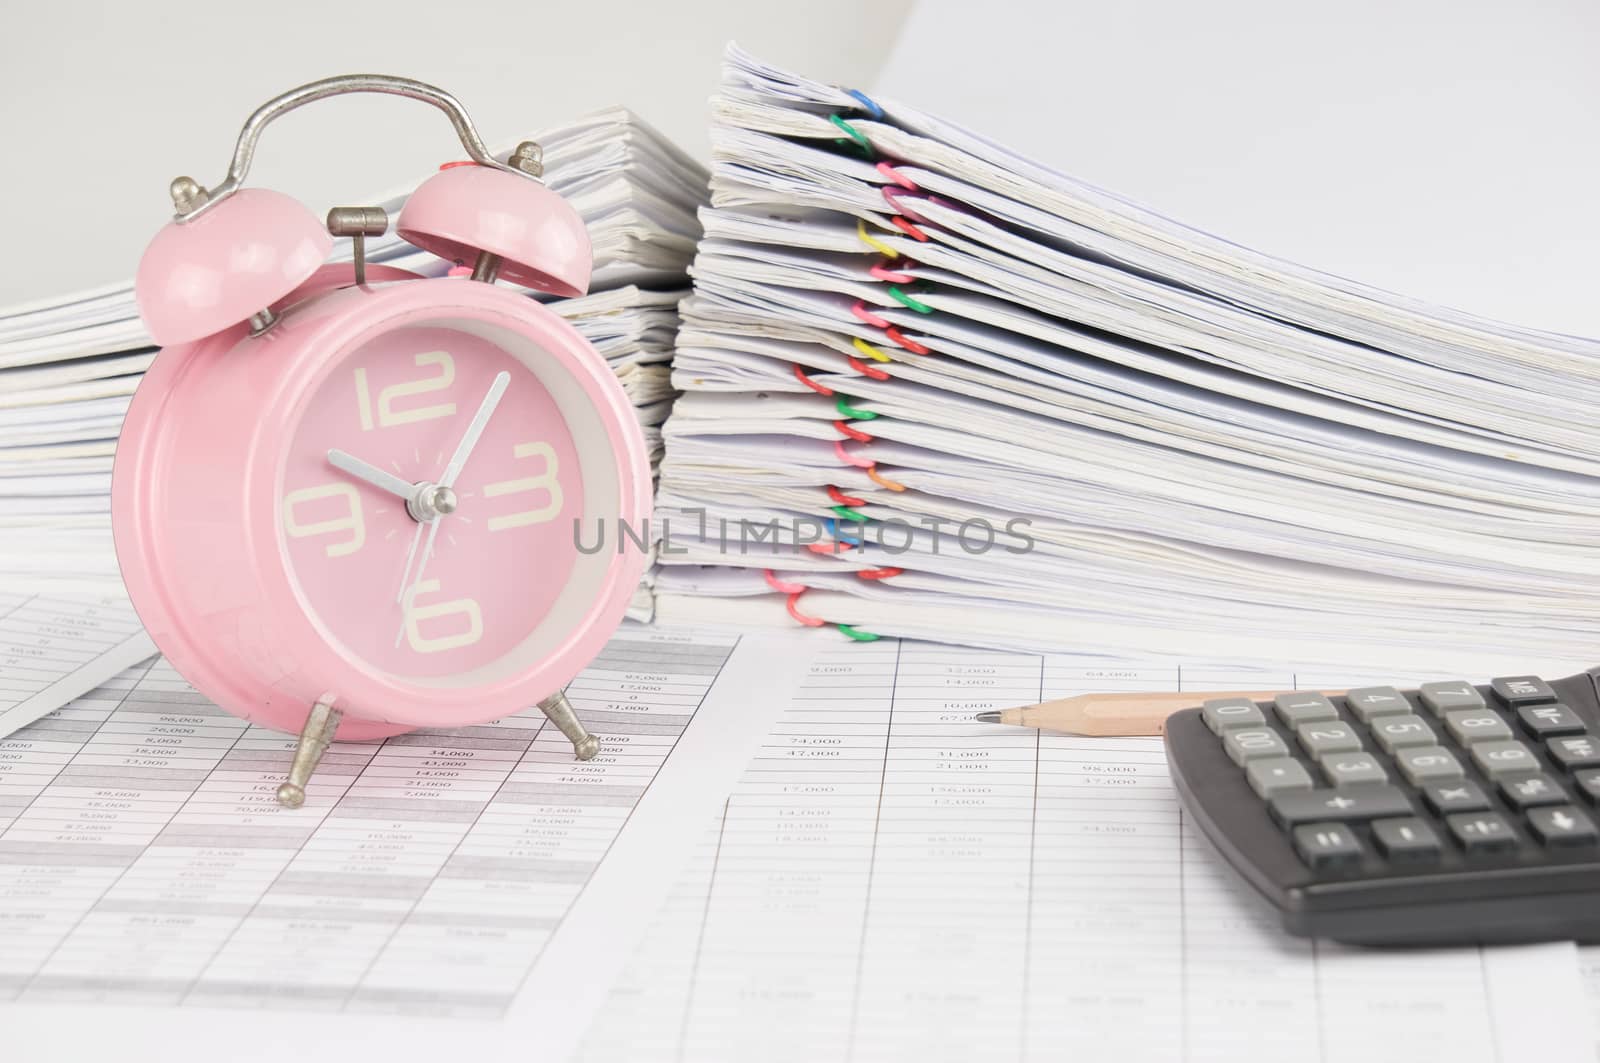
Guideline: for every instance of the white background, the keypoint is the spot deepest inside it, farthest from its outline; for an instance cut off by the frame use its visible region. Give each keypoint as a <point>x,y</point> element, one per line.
<point>1445,149</point>
<point>105,102</point>
<point>1449,150</point>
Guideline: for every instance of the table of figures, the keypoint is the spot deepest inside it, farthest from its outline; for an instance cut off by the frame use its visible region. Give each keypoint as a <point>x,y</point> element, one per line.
<point>892,881</point>
<point>143,858</point>
<point>47,641</point>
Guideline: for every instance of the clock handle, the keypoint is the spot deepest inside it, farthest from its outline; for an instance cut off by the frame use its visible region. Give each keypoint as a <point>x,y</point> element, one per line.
<point>315,737</point>
<point>559,710</point>
<point>193,200</point>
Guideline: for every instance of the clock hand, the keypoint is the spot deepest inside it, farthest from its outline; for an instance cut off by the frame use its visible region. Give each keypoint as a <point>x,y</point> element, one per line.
<point>480,421</point>
<point>386,481</point>
<point>458,461</point>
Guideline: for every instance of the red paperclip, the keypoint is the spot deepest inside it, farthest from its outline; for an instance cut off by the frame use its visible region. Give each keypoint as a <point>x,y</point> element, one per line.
<point>864,369</point>
<point>879,573</point>
<point>899,337</point>
<point>821,389</point>
<point>781,586</point>
<point>860,310</point>
<point>794,611</point>
<point>853,433</point>
<point>878,271</point>
<point>843,499</point>
<point>909,229</point>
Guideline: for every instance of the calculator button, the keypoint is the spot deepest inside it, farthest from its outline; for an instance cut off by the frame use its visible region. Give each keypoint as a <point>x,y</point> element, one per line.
<point>1447,797</point>
<point>1357,803</point>
<point>1448,697</point>
<point>1406,840</point>
<point>1515,690</point>
<point>1424,764</point>
<point>1525,791</point>
<point>1247,744</point>
<point>1550,720</point>
<point>1563,825</point>
<point>1274,776</point>
<point>1502,758</point>
<point>1589,783</point>
<point>1335,736</point>
<point>1369,702</point>
<point>1477,725</point>
<point>1349,769</point>
<point>1223,713</point>
<point>1296,709</point>
<point>1398,732</point>
<point>1482,832</point>
<point>1327,845</point>
<point>1576,752</point>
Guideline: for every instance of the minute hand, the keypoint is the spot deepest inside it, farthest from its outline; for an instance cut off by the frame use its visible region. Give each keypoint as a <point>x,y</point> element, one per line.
<point>480,420</point>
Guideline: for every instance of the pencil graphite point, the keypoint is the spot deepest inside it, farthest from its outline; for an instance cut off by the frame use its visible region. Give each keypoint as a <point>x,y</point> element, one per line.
<point>987,717</point>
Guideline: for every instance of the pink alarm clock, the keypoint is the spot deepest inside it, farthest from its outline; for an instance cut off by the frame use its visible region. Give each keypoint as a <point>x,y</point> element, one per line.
<point>345,497</point>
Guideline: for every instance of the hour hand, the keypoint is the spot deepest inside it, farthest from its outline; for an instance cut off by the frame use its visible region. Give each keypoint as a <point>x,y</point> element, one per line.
<point>373,475</point>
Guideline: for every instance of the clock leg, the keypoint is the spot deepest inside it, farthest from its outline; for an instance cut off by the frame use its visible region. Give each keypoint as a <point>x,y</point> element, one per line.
<point>315,738</point>
<point>559,710</point>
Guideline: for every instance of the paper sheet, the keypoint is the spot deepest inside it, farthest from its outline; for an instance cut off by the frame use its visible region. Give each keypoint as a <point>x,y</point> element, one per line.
<point>433,879</point>
<point>54,648</point>
<point>890,881</point>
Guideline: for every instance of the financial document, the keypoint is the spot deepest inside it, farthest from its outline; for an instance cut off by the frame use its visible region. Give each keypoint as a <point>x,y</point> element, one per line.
<point>890,881</point>
<point>55,647</point>
<point>144,860</point>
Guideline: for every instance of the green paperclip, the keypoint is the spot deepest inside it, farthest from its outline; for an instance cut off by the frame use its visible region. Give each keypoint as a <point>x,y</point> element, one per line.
<point>842,404</point>
<point>858,635</point>
<point>919,307</point>
<point>850,514</point>
<point>855,134</point>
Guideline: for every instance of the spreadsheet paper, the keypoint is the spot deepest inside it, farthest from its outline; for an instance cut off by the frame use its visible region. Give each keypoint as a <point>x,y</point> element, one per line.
<point>55,647</point>
<point>152,886</point>
<point>890,881</point>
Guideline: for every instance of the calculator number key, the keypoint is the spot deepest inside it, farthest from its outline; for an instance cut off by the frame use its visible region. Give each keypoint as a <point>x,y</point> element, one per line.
<point>1441,698</point>
<point>1327,846</point>
<point>1589,783</point>
<point>1501,758</point>
<point>1482,832</point>
<point>1575,752</point>
<point>1425,764</point>
<point>1399,732</point>
<point>1245,745</point>
<point>1351,769</point>
<point>1477,725</point>
<point>1223,713</point>
<point>1370,702</point>
<point>1296,709</point>
<point>1320,739</point>
<point>1407,840</point>
<point>1563,825</point>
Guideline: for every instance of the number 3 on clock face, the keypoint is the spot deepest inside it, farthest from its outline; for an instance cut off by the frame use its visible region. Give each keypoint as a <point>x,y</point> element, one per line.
<point>359,558</point>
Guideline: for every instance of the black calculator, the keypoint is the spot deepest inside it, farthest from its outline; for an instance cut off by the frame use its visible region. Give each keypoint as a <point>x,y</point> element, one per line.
<point>1448,815</point>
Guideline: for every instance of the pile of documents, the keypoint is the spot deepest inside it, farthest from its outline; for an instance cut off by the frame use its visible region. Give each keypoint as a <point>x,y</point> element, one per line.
<point>68,367</point>
<point>935,389</point>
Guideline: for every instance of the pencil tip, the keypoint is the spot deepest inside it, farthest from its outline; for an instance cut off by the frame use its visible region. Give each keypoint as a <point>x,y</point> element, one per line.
<point>987,717</point>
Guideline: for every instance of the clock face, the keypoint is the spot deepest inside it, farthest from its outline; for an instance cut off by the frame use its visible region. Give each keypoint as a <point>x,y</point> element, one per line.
<point>360,561</point>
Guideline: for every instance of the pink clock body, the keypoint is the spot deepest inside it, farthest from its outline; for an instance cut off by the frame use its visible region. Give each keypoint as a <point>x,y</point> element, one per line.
<point>272,580</point>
